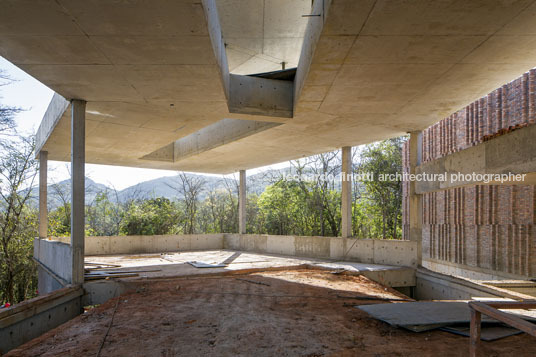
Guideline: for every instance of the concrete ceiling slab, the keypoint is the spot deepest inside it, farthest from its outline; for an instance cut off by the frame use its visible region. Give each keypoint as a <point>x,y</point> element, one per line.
<point>269,31</point>
<point>151,76</point>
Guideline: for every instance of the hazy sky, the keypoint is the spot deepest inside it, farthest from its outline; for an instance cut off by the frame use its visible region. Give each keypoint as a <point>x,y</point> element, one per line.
<point>28,93</point>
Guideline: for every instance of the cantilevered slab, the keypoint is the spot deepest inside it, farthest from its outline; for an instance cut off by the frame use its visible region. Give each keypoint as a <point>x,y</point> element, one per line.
<point>155,72</point>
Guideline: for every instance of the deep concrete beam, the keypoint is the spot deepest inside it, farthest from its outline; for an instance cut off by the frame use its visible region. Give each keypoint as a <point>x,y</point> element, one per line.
<point>260,96</point>
<point>242,192</point>
<point>210,137</point>
<point>57,106</point>
<point>43,209</point>
<point>415,199</point>
<point>346,199</point>
<point>78,137</point>
<point>514,153</point>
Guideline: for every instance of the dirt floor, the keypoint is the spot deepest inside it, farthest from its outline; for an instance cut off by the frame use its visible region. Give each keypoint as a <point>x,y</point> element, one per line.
<point>277,313</point>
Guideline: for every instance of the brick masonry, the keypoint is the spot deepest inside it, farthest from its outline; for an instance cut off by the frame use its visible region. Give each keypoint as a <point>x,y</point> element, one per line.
<point>490,227</point>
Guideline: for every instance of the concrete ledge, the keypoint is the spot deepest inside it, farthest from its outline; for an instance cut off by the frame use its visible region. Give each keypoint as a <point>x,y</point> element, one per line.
<point>509,153</point>
<point>467,271</point>
<point>437,286</point>
<point>147,244</point>
<point>390,252</point>
<point>29,319</point>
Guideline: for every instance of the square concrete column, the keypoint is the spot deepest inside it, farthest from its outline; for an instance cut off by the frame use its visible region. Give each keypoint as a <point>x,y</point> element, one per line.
<point>43,209</point>
<point>346,199</point>
<point>242,203</point>
<point>78,158</point>
<point>415,200</point>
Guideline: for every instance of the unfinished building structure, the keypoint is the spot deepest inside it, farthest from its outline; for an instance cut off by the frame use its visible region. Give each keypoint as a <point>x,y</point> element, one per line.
<point>220,86</point>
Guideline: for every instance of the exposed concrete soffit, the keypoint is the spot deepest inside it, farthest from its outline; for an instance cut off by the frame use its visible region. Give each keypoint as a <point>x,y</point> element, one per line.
<point>210,137</point>
<point>509,153</point>
<point>312,35</point>
<point>261,96</point>
<point>57,106</point>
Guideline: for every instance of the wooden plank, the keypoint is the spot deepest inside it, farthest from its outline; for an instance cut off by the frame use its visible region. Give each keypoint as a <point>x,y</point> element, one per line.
<point>474,343</point>
<point>512,304</point>
<point>509,319</point>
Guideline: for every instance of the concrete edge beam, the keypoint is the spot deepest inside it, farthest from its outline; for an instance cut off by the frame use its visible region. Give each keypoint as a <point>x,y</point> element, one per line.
<point>514,153</point>
<point>57,106</point>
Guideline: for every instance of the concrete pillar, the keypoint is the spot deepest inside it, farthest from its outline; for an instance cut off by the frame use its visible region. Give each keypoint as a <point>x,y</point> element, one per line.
<point>78,158</point>
<point>346,200</point>
<point>43,209</point>
<point>242,203</point>
<point>415,200</point>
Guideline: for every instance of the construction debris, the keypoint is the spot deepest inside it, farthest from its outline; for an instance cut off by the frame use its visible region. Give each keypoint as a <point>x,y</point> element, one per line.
<point>430,315</point>
<point>206,265</point>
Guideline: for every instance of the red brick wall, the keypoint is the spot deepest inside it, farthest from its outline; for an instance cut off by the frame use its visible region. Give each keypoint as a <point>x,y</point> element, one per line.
<point>511,106</point>
<point>489,227</point>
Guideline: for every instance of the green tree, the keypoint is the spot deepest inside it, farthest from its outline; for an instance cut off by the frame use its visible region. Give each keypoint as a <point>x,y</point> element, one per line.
<point>382,197</point>
<point>151,217</point>
<point>18,222</point>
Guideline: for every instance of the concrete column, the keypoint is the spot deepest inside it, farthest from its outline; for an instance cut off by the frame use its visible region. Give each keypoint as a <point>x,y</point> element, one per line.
<point>415,200</point>
<point>43,209</point>
<point>346,184</point>
<point>242,203</point>
<point>78,157</point>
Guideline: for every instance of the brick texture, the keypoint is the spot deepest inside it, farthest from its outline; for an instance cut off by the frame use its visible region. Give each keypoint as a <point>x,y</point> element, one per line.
<point>493,226</point>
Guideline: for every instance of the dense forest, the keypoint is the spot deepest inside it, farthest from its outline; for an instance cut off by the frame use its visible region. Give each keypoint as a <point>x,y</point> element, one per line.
<point>307,204</point>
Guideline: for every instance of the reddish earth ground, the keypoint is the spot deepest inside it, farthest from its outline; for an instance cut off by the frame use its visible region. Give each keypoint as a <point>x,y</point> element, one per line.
<point>279,313</point>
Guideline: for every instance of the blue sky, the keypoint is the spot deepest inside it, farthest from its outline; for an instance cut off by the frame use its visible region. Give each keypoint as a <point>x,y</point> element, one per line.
<point>28,93</point>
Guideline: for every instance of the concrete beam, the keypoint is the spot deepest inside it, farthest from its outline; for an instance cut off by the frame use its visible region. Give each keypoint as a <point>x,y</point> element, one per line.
<point>514,153</point>
<point>78,124</point>
<point>313,31</point>
<point>346,199</point>
<point>261,96</point>
<point>210,137</point>
<point>415,199</point>
<point>57,106</point>
<point>223,132</point>
<point>242,192</point>
<point>43,209</point>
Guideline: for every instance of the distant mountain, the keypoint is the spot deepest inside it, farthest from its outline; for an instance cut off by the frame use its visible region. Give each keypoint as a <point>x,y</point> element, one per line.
<point>169,186</point>
<point>58,192</point>
<point>161,187</point>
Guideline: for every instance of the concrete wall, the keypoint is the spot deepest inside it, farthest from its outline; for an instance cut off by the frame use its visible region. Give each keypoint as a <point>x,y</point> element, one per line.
<point>391,252</point>
<point>481,231</point>
<point>149,244</point>
<point>435,286</point>
<point>55,264</point>
<point>29,319</point>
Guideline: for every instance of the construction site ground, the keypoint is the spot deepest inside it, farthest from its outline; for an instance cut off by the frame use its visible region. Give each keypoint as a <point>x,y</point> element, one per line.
<point>302,312</point>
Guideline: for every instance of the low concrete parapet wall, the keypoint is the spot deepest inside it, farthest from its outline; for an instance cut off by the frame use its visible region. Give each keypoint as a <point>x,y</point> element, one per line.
<point>31,318</point>
<point>54,264</point>
<point>149,244</point>
<point>390,252</point>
